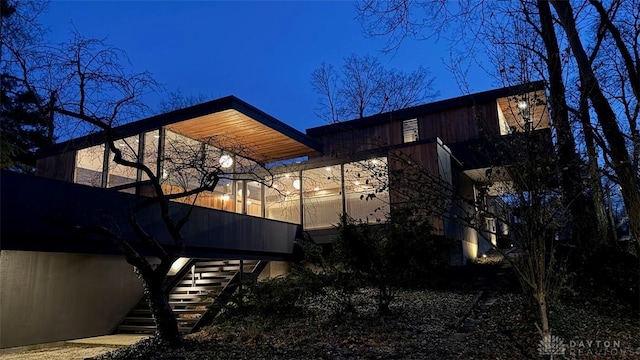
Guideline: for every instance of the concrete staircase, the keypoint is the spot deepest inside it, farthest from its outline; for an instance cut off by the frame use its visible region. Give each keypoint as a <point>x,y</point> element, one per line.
<point>191,295</point>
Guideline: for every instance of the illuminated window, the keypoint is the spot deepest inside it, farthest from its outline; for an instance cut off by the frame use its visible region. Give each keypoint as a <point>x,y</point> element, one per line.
<point>89,164</point>
<point>410,130</point>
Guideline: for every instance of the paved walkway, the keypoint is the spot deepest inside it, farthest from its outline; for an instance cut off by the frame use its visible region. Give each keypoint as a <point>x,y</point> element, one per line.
<point>72,349</point>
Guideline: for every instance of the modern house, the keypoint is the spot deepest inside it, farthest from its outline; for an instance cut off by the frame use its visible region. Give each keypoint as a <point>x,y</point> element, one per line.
<point>275,182</point>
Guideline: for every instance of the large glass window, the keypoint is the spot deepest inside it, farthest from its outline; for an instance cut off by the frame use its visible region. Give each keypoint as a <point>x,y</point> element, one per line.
<point>322,197</point>
<point>121,174</point>
<point>249,199</point>
<point>150,157</point>
<point>282,198</point>
<point>89,164</point>
<point>187,165</point>
<point>366,190</point>
<point>254,198</point>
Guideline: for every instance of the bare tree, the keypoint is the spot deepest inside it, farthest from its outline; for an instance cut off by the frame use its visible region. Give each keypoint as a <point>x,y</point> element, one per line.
<point>364,87</point>
<point>604,82</point>
<point>473,22</point>
<point>95,93</point>
<point>178,100</point>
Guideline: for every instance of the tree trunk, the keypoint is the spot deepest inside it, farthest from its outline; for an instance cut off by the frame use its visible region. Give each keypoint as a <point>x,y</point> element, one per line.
<point>569,162</point>
<point>605,232</point>
<point>622,166</point>
<point>166,323</point>
<point>541,300</point>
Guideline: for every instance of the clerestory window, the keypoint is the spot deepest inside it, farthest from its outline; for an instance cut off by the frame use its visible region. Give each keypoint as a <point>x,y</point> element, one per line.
<point>410,130</point>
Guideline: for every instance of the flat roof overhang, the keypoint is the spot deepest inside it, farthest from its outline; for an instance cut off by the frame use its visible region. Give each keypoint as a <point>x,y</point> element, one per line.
<point>229,120</point>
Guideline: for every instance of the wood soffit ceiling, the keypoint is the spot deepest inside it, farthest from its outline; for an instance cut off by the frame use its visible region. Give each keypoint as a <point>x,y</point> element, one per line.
<point>236,132</point>
<point>537,107</point>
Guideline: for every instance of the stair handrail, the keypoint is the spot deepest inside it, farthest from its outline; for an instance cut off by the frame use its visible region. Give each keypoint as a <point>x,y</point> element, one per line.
<point>179,275</point>
<point>225,294</point>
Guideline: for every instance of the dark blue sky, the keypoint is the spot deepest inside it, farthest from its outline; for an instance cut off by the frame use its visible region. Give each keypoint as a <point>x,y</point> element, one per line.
<point>261,52</point>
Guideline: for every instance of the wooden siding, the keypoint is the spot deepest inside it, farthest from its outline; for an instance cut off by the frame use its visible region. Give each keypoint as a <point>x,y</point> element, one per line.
<point>350,141</point>
<point>453,125</point>
<point>59,167</point>
<point>412,169</point>
<point>461,124</point>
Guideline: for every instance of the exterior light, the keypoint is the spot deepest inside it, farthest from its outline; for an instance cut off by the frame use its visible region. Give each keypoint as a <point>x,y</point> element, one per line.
<point>226,161</point>
<point>296,184</point>
<point>484,255</point>
<point>522,105</point>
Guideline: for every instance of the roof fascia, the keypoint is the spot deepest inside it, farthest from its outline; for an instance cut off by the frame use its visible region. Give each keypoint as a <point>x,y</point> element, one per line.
<point>172,117</point>
<point>415,111</point>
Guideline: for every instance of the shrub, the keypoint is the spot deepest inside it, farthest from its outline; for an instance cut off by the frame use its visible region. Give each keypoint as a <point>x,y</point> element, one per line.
<point>389,256</point>
<point>281,296</point>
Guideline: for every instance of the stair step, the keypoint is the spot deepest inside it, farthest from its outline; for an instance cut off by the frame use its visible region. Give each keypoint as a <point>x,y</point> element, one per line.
<point>223,270</point>
<point>175,304</point>
<point>204,290</point>
<point>149,329</point>
<point>188,302</point>
<point>139,319</point>
<point>175,311</point>
<point>212,262</point>
<point>213,275</point>
<point>197,297</point>
<point>226,262</point>
<point>149,321</point>
<point>209,282</point>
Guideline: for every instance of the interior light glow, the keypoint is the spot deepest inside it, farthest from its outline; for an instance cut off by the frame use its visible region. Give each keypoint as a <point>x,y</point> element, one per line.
<point>225,197</point>
<point>296,184</point>
<point>226,161</point>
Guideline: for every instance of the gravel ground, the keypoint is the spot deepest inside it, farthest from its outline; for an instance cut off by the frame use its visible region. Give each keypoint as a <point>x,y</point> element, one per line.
<point>58,353</point>
<point>421,326</point>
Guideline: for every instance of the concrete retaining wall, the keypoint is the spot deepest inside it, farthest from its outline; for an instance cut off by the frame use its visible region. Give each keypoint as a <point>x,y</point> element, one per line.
<point>47,297</point>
